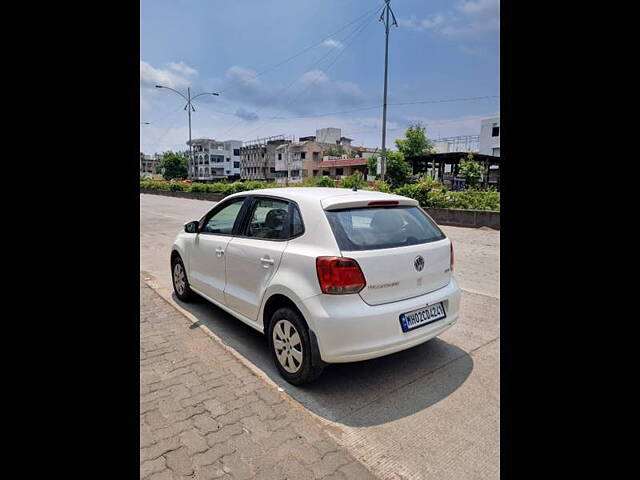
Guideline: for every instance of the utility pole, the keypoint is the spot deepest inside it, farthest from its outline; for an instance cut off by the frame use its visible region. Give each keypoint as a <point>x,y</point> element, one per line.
<point>189,107</point>
<point>191,162</point>
<point>384,17</point>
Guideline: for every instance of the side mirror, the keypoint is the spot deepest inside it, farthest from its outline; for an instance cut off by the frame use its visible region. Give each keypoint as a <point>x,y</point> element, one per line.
<point>191,227</point>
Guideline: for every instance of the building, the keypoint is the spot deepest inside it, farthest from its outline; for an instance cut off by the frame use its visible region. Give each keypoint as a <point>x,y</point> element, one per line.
<point>445,167</point>
<point>337,168</point>
<point>150,163</point>
<point>213,160</point>
<point>258,158</point>
<point>462,143</point>
<point>490,136</point>
<point>295,162</point>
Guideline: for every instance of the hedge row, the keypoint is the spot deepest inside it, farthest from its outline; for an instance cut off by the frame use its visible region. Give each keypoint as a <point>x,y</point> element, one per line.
<point>426,192</point>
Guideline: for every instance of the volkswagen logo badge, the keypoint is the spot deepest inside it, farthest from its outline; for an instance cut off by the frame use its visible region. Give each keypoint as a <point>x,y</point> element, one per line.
<point>419,263</point>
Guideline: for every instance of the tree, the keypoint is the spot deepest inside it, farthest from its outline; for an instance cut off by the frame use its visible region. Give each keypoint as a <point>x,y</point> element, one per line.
<point>174,166</point>
<point>471,171</point>
<point>415,142</point>
<point>372,165</point>
<point>398,169</point>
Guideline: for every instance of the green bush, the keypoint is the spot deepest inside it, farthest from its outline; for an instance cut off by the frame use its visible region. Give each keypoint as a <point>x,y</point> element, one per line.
<point>154,185</point>
<point>434,195</point>
<point>381,186</point>
<point>199,187</point>
<point>320,182</point>
<point>426,191</point>
<point>355,180</point>
<point>417,191</point>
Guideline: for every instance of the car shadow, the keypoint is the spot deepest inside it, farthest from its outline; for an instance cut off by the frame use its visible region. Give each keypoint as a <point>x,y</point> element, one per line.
<point>359,394</point>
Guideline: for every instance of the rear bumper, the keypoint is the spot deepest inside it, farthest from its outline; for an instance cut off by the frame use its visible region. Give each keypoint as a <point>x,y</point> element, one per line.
<point>349,330</point>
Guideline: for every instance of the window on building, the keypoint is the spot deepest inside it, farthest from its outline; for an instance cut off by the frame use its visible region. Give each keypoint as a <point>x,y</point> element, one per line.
<point>315,173</point>
<point>303,155</point>
<point>295,173</point>
<point>325,173</point>
<point>236,164</point>
<point>236,151</point>
<point>228,159</point>
<point>339,171</point>
<point>273,170</point>
<point>495,132</point>
<point>316,156</point>
<point>279,156</point>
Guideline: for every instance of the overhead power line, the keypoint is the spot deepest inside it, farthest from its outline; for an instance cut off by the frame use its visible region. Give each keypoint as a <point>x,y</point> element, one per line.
<point>305,50</point>
<point>353,35</point>
<point>309,68</point>
<point>371,107</point>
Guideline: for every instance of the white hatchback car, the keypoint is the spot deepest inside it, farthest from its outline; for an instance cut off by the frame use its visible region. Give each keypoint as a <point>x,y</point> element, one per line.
<point>329,275</point>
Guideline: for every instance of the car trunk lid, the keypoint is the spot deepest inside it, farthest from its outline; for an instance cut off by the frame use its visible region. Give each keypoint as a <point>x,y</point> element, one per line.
<point>396,274</point>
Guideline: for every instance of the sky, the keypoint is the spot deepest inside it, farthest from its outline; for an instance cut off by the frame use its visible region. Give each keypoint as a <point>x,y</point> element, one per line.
<point>291,66</point>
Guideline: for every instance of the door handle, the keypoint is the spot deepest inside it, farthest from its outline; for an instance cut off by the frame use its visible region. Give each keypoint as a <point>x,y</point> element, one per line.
<point>267,261</point>
<point>219,252</point>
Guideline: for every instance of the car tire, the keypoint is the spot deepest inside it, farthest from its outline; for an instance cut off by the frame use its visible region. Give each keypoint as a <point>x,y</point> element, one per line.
<point>179,280</point>
<point>291,348</point>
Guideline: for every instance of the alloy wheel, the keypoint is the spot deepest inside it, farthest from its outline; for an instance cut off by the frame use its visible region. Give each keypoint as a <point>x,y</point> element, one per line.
<point>288,346</point>
<point>179,278</point>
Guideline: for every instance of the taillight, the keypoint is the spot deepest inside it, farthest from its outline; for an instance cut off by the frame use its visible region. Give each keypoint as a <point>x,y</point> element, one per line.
<point>451,258</point>
<point>338,275</point>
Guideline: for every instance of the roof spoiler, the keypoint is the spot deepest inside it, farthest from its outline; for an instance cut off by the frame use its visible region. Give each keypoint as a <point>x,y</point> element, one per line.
<point>357,201</point>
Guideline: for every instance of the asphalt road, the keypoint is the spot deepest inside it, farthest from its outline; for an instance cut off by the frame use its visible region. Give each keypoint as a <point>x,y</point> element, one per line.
<point>429,412</point>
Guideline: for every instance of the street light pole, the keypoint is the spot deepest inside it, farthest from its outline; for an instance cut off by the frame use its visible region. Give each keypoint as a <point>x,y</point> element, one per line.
<point>384,17</point>
<point>189,107</point>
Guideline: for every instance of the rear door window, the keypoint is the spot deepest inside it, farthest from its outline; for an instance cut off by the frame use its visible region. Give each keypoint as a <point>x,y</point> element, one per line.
<point>269,219</point>
<point>382,227</point>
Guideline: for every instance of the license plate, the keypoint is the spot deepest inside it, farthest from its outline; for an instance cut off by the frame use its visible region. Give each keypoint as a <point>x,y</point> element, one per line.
<point>422,317</point>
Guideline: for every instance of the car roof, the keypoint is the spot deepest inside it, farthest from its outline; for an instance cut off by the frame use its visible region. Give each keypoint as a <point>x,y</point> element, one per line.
<point>316,193</point>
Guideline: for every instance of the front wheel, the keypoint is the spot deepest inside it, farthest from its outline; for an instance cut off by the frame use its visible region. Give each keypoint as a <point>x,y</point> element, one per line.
<point>180,281</point>
<point>291,348</point>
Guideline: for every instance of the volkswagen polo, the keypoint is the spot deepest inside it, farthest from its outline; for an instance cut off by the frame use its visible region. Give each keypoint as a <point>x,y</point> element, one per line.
<point>329,275</point>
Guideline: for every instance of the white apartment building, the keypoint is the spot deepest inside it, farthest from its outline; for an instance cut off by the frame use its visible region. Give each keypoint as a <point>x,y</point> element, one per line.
<point>490,136</point>
<point>214,160</point>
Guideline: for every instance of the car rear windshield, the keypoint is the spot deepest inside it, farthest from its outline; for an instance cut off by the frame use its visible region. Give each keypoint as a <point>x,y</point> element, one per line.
<point>373,228</point>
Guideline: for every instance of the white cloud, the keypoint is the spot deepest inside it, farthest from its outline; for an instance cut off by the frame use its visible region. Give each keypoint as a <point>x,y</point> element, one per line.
<point>333,43</point>
<point>244,76</point>
<point>429,23</point>
<point>472,7</point>
<point>314,77</point>
<point>182,68</point>
<point>470,18</point>
<point>151,76</point>
<point>473,29</point>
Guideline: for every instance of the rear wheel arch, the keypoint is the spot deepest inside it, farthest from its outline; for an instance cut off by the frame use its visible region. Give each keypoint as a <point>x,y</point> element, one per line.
<point>280,300</point>
<point>276,301</point>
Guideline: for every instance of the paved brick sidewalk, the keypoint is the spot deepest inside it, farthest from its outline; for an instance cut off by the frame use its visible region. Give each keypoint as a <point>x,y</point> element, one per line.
<point>203,414</point>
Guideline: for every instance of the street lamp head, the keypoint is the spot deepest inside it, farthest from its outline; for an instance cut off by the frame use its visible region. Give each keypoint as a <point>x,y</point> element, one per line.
<point>159,86</point>
<point>216,94</point>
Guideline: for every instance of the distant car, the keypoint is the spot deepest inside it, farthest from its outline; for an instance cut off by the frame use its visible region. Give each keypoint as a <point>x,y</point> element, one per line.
<point>330,275</point>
